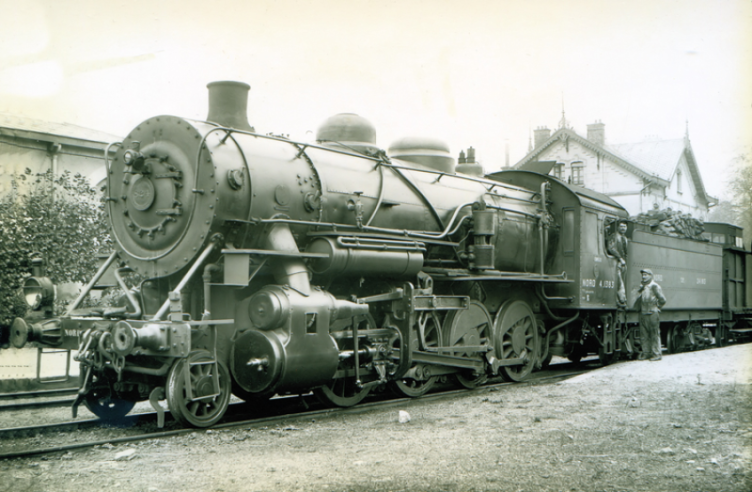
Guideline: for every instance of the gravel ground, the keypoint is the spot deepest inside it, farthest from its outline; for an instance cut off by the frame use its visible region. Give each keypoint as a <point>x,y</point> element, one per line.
<point>681,424</point>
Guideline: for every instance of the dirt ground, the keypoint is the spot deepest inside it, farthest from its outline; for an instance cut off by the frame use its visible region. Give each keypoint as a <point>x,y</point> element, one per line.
<point>681,424</point>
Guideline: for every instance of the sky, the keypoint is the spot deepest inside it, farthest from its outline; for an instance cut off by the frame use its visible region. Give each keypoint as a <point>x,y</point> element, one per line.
<point>478,73</point>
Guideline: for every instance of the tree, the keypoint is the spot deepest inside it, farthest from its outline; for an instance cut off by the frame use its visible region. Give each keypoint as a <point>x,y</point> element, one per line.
<point>59,217</point>
<point>723,212</point>
<point>741,195</point>
<point>737,209</point>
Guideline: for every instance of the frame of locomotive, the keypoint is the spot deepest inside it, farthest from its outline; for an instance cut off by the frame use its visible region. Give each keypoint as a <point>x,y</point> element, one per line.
<point>272,266</point>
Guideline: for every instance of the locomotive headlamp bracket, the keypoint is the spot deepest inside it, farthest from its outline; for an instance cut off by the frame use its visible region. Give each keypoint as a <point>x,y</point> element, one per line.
<point>133,156</point>
<point>38,292</point>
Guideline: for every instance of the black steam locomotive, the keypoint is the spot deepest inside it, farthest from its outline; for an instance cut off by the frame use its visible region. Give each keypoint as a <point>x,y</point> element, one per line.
<point>272,266</point>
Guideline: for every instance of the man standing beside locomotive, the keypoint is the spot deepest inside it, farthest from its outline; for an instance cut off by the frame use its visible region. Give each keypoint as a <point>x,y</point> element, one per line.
<point>649,302</point>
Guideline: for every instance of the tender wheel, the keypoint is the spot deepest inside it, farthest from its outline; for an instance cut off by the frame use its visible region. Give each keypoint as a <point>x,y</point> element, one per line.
<point>721,335</point>
<point>101,402</point>
<point>516,338</point>
<point>471,327</point>
<point>208,405</point>
<point>675,339</point>
<point>430,325</point>
<point>605,358</point>
<point>342,392</point>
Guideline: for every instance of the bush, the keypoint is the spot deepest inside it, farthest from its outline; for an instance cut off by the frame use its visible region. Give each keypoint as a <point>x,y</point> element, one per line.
<point>60,218</point>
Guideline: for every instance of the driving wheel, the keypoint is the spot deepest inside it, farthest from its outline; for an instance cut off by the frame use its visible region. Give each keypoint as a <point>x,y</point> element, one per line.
<point>429,324</point>
<point>471,327</point>
<point>516,338</point>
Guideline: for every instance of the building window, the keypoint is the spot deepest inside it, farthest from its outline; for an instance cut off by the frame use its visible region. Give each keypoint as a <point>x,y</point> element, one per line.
<point>679,182</point>
<point>559,171</point>
<point>577,175</point>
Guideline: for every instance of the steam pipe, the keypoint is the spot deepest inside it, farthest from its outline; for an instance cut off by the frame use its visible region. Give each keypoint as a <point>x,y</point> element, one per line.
<point>208,269</point>
<point>559,327</point>
<point>136,305</point>
<point>381,194</point>
<point>187,277</point>
<point>290,271</point>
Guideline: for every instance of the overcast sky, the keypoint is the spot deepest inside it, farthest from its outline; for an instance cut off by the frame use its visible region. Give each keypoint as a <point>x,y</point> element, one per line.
<point>474,73</point>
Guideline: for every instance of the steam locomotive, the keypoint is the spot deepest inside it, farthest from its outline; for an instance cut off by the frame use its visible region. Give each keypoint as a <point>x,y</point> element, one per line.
<point>270,266</point>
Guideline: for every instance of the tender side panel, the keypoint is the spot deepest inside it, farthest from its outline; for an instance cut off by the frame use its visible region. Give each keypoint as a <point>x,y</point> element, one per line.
<point>734,272</point>
<point>689,272</point>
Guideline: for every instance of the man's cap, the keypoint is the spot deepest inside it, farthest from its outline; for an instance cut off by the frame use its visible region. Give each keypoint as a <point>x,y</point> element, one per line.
<point>647,270</point>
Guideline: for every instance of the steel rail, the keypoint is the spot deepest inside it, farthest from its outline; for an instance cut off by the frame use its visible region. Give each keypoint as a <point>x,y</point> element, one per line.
<point>36,404</point>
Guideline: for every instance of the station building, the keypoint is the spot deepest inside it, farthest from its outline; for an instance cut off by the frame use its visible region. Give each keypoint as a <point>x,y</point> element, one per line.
<point>637,175</point>
<point>41,146</point>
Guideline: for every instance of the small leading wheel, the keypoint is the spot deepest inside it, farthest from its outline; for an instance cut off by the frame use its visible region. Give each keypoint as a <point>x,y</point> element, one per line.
<point>344,392</point>
<point>101,402</point>
<point>516,338</point>
<point>471,327</point>
<point>341,392</point>
<point>208,404</point>
<point>430,325</point>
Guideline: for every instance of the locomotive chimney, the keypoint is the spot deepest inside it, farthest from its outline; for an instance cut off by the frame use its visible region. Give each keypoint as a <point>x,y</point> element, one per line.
<point>228,104</point>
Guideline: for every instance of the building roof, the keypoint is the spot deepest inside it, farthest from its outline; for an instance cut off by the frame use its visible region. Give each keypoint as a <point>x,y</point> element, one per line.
<point>654,160</point>
<point>656,157</point>
<point>22,126</point>
<point>566,134</point>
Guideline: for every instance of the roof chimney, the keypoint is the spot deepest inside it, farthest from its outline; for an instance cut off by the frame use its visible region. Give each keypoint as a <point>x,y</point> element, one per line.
<point>228,104</point>
<point>596,133</point>
<point>541,134</point>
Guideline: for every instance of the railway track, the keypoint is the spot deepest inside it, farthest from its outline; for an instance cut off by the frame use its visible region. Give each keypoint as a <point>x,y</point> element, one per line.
<point>21,442</point>
<point>37,394</point>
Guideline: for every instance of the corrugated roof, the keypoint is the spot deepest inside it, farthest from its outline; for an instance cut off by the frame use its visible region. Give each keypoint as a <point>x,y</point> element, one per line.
<point>655,157</point>
<point>15,122</point>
